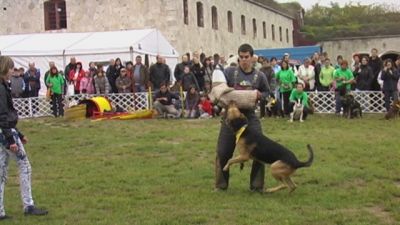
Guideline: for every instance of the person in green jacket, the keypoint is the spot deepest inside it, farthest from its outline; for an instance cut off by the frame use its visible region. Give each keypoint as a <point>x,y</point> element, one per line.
<point>55,82</point>
<point>343,78</point>
<point>299,94</point>
<point>326,75</point>
<point>286,80</point>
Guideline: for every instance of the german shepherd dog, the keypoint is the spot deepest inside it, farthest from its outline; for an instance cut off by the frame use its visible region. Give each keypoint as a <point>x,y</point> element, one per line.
<point>351,108</point>
<point>393,111</point>
<point>254,145</point>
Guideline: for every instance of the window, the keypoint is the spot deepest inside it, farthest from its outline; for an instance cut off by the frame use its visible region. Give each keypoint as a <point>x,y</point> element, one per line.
<point>55,15</point>
<point>280,34</point>
<point>264,30</point>
<point>243,18</point>
<point>287,35</point>
<point>273,32</point>
<point>230,22</point>
<point>214,18</point>
<point>185,12</point>
<point>254,28</point>
<point>200,16</point>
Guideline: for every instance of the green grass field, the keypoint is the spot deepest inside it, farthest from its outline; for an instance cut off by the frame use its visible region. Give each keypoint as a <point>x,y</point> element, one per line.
<point>162,172</point>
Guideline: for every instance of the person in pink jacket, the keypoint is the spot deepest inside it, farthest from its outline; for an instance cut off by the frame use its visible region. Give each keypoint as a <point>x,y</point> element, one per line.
<point>86,85</point>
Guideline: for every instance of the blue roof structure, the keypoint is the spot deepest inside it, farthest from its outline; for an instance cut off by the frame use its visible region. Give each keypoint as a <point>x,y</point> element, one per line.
<point>297,54</point>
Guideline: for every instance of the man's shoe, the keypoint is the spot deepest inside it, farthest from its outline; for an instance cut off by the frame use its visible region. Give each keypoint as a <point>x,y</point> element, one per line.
<point>32,210</point>
<point>5,217</point>
<point>257,190</point>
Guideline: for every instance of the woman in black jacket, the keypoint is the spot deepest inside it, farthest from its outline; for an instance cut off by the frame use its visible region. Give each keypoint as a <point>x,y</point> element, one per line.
<point>12,144</point>
<point>364,76</point>
<point>390,77</point>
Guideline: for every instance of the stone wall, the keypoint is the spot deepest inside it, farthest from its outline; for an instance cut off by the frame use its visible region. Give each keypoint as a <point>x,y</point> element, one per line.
<point>166,15</point>
<point>346,47</point>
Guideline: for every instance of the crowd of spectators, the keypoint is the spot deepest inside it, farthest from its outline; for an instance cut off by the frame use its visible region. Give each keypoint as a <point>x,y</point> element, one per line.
<point>192,76</point>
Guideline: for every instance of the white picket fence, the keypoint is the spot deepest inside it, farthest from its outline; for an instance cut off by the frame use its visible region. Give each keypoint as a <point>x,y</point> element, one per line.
<point>324,102</point>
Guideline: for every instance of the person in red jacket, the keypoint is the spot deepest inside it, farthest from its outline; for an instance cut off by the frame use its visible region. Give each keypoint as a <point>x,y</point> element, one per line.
<point>205,107</point>
<point>75,76</point>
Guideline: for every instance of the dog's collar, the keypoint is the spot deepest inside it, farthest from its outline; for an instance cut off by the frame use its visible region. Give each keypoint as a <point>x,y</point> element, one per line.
<point>240,132</point>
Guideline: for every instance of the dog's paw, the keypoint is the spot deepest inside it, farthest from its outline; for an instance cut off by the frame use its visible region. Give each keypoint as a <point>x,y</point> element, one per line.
<point>301,121</point>
<point>226,168</point>
<point>290,121</point>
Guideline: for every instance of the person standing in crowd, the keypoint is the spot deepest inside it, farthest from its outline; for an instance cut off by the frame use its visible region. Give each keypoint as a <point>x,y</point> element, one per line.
<point>376,65</point>
<point>344,78</point>
<point>397,63</point>
<point>317,63</point>
<point>163,102</point>
<point>159,74</point>
<point>198,72</point>
<point>306,74</point>
<point>363,75</point>
<point>55,82</point>
<point>222,62</point>
<point>112,75</point>
<point>339,60</point>
<point>275,66</point>
<point>326,75</point>
<point>298,94</point>
<point>189,80</point>
<point>123,82</point>
<point>243,77</point>
<point>75,76</point>
<point>286,80</point>
<point>390,77</point>
<point>180,67</point>
<point>32,81</point>
<point>208,70</point>
<point>140,75</point>
<point>269,74</point>
<point>86,84</point>
<point>356,63</point>
<point>12,143</point>
<point>191,101</point>
<point>46,75</point>
<point>71,66</point>
<point>101,83</point>
<point>17,84</point>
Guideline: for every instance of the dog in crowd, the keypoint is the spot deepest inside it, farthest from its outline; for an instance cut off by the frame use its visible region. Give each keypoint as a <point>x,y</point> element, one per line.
<point>273,107</point>
<point>393,111</point>
<point>254,145</point>
<point>297,113</point>
<point>351,108</point>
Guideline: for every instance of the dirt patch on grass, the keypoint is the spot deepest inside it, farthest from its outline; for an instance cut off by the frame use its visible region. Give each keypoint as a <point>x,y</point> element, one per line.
<point>382,214</point>
<point>354,183</point>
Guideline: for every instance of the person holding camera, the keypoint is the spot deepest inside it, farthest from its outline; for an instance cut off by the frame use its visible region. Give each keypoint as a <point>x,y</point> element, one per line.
<point>12,144</point>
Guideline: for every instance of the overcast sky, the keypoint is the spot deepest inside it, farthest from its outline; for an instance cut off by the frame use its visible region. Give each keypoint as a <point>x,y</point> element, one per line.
<point>308,3</point>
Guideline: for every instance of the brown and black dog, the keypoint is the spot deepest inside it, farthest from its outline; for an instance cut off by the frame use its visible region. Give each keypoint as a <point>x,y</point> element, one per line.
<point>254,145</point>
<point>393,111</point>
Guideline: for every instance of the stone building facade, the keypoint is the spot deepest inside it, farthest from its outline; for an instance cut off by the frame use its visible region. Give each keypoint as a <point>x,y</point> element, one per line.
<point>210,26</point>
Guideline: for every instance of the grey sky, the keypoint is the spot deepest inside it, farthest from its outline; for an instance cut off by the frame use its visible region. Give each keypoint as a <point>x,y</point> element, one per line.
<point>308,3</point>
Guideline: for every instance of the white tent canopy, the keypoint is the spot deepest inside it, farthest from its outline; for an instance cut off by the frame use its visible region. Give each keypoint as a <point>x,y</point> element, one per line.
<point>86,47</point>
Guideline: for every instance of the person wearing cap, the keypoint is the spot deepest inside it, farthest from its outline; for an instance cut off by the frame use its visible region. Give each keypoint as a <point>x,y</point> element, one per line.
<point>12,143</point>
<point>243,77</point>
<point>123,82</point>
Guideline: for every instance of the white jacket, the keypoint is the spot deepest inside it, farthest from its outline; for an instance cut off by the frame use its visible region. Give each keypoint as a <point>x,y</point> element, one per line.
<point>308,73</point>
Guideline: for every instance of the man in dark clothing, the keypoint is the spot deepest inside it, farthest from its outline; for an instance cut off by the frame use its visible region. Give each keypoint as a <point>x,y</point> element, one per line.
<point>244,77</point>
<point>376,65</point>
<point>163,102</point>
<point>159,73</point>
<point>69,67</point>
<point>112,74</point>
<point>180,67</point>
<point>32,81</point>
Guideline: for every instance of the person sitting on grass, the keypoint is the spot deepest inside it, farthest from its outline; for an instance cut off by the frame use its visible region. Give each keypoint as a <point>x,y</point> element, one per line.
<point>163,103</point>
<point>205,107</point>
<point>192,99</point>
<point>298,94</point>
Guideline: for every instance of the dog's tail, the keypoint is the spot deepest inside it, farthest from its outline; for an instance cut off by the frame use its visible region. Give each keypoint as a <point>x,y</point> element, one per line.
<point>310,158</point>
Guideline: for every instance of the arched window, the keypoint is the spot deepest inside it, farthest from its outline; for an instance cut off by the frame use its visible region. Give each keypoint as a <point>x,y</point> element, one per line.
<point>254,28</point>
<point>185,12</point>
<point>287,35</point>
<point>214,18</point>
<point>55,15</point>
<point>243,20</point>
<point>200,14</point>
<point>230,22</point>
<point>265,30</point>
<point>273,32</point>
<point>280,34</point>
